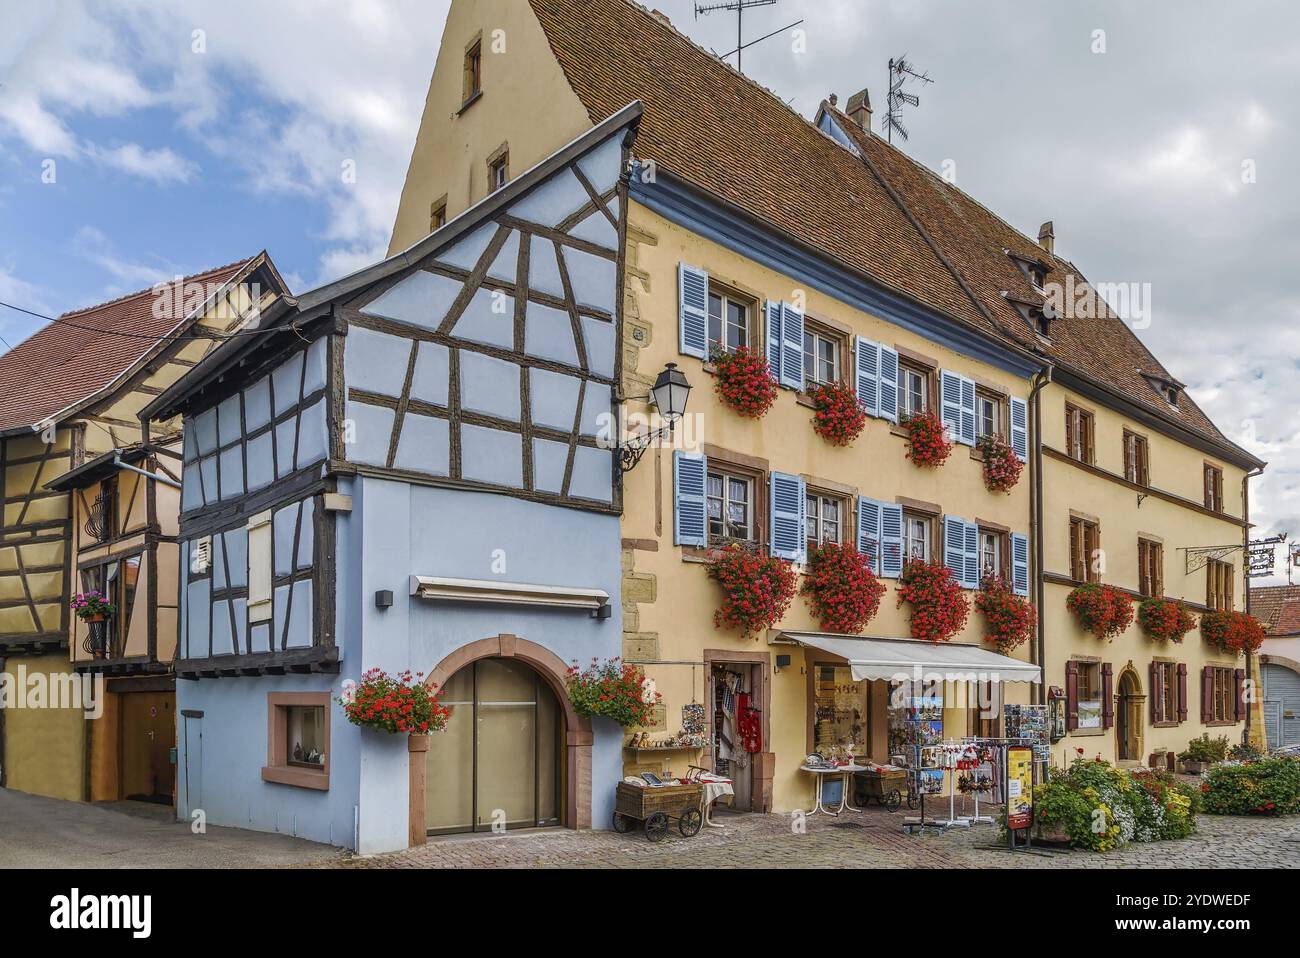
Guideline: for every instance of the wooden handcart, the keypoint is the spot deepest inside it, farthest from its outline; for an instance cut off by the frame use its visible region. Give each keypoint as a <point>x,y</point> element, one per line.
<point>656,807</point>
<point>887,788</point>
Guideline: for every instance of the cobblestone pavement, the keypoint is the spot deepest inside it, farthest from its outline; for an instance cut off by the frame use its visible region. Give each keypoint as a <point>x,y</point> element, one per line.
<point>872,839</point>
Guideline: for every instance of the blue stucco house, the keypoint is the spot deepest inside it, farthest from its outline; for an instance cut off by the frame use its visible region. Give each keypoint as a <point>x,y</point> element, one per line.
<point>404,470</point>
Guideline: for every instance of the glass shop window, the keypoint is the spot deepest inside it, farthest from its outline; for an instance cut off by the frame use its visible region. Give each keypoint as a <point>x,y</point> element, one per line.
<point>305,728</point>
<point>842,712</point>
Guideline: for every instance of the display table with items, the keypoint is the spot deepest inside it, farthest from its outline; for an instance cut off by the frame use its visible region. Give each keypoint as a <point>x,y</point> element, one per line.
<point>841,772</point>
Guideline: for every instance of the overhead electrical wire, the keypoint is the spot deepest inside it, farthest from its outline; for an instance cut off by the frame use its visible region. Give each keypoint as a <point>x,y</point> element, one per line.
<point>128,334</point>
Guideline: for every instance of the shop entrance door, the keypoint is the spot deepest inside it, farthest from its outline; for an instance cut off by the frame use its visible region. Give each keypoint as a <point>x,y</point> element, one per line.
<point>497,766</point>
<point>732,686</point>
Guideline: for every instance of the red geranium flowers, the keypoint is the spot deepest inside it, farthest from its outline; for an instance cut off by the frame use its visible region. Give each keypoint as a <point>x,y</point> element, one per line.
<point>838,418</point>
<point>1002,467</point>
<point>756,589</point>
<point>1233,632</point>
<point>1102,610</point>
<point>400,703</point>
<point>930,446</point>
<point>1165,621</point>
<point>939,609</point>
<point>842,590</point>
<point>745,382</point>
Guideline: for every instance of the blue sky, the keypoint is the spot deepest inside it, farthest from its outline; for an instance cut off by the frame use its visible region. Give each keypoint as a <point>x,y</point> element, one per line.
<point>193,133</point>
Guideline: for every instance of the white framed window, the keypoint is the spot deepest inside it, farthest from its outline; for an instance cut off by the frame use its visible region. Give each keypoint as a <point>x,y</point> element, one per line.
<point>913,390</point>
<point>990,554</point>
<point>728,322</point>
<point>730,501</point>
<point>988,415</point>
<point>824,518</point>
<point>916,538</point>
<point>821,358</point>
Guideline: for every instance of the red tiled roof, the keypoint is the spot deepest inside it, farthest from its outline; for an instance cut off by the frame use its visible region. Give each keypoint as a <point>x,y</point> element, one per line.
<point>61,365</point>
<point>883,215</point>
<point>1277,607</point>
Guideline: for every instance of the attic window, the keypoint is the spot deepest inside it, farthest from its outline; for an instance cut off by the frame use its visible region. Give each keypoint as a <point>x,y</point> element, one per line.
<point>1032,270</point>
<point>1039,318</point>
<point>1169,390</point>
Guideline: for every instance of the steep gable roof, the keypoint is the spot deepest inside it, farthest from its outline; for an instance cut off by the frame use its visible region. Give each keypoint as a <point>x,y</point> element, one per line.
<point>1277,607</point>
<point>71,360</point>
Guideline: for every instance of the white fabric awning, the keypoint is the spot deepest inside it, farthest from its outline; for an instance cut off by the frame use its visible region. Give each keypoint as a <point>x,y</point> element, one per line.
<point>900,659</point>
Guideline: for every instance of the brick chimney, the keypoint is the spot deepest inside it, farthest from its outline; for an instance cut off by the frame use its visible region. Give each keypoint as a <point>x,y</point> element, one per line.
<point>859,109</point>
<point>1047,236</point>
<point>661,17</point>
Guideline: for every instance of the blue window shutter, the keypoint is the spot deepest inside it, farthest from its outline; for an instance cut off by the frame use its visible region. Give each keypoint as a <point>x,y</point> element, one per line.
<point>891,539</point>
<point>954,546</point>
<point>791,347</point>
<point>950,403</point>
<point>1019,564</point>
<point>1020,428</point>
<point>888,384</point>
<point>866,356</point>
<point>773,312</point>
<point>693,318</point>
<point>869,531</point>
<point>968,411</point>
<point>787,523</point>
<point>690,527</point>
<point>972,578</point>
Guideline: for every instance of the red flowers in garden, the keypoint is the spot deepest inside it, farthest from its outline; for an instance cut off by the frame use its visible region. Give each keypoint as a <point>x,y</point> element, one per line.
<point>613,689</point>
<point>756,590</point>
<point>838,417</point>
<point>401,703</point>
<point>929,446</point>
<point>1002,467</point>
<point>745,382</point>
<point>842,591</point>
<point>1165,621</point>
<point>939,609</point>
<point>1008,618</point>
<point>1102,610</point>
<point>1234,632</point>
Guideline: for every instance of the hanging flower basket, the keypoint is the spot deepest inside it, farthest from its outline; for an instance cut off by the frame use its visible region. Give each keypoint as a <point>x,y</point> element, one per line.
<point>838,418</point>
<point>1002,467</point>
<point>1165,621</point>
<point>1232,632</point>
<point>756,590</point>
<point>1008,618</point>
<point>1100,609</point>
<point>400,703</point>
<point>842,590</point>
<point>939,609</point>
<point>929,445</point>
<point>745,383</point>
<point>612,689</point>
<point>92,606</point>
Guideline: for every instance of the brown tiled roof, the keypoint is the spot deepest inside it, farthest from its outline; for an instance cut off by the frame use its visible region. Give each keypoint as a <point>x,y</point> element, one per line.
<point>62,364</point>
<point>1277,607</point>
<point>884,215</point>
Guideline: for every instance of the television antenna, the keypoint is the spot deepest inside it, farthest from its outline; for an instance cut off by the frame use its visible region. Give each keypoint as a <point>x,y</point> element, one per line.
<point>738,7</point>
<point>900,71</point>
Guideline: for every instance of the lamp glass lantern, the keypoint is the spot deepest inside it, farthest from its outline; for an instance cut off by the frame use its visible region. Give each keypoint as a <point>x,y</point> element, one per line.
<point>670,394</point>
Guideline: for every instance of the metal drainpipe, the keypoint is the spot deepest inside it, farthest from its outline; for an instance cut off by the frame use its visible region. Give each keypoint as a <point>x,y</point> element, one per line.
<point>1041,379</point>
<point>1245,566</point>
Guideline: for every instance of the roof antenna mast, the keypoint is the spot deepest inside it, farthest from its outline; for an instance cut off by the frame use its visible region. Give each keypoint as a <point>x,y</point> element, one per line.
<point>900,71</point>
<point>738,7</point>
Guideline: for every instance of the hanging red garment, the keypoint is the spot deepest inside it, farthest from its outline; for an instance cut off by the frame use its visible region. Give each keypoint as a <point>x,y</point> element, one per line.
<point>749,724</point>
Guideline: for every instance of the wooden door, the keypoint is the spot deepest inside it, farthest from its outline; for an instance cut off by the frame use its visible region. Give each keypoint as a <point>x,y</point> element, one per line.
<point>148,736</point>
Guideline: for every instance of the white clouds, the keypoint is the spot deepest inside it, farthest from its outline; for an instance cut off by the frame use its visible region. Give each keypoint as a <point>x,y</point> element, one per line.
<point>161,166</point>
<point>92,245</point>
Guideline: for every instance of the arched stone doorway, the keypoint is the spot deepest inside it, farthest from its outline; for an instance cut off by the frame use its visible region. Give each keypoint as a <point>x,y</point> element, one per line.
<point>1128,717</point>
<point>508,661</point>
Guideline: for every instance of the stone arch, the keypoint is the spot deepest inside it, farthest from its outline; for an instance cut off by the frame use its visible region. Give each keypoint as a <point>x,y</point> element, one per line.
<point>577,729</point>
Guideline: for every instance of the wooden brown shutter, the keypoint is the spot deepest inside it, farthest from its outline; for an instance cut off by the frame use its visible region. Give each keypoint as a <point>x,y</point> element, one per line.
<point>1069,433</point>
<point>1157,700</point>
<point>1071,696</point>
<point>1240,676</point>
<point>1144,462</point>
<point>1130,457</point>
<point>1090,451</point>
<point>1208,488</point>
<point>1182,691</point>
<point>1207,694</point>
<point>1107,696</point>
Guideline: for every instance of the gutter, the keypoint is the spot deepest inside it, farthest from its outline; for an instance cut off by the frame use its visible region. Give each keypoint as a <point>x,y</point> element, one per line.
<point>1041,380</point>
<point>165,480</point>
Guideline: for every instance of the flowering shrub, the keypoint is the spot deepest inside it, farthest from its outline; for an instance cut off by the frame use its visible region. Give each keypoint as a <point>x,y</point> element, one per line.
<point>842,591</point>
<point>1099,807</point>
<point>1270,786</point>
<point>92,605</point>
<point>745,382</point>
<point>400,703</point>
<point>1234,632</point>
<point>1008,618</point>
<point>929,446</point>
<point>756,590</point>
<point>1165,621</point>
<point>939,609</point>
<point>839,418</point>
<point>613,689</point>
<point>1002,467</point>
<point>1102,610</point>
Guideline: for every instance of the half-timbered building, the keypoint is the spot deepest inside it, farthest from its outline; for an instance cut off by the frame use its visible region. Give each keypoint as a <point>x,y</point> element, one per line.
<point>412,476</point>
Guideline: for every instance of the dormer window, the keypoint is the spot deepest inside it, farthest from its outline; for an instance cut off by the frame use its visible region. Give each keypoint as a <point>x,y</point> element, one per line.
<point>1169,390</point>
<point>1033,270</point>
<point>1038,317</point>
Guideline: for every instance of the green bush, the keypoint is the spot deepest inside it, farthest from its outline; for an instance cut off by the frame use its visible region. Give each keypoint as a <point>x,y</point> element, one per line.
<point>1245,752</point>
<point>1270,786</point>
<point>1205,749</point>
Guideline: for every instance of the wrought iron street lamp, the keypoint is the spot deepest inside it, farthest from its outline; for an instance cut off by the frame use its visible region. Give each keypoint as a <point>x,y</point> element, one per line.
<point>669,394</point>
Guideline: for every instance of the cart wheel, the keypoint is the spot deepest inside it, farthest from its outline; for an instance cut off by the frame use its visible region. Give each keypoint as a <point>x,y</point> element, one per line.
<point>912,799</point>
<point>893,800</point>
<point>689,823</point>
<point>623,824</point>
<point>656,827</point>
